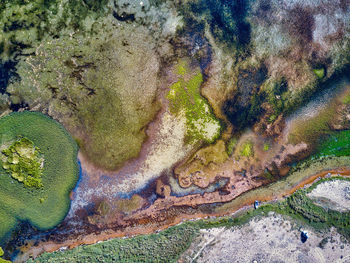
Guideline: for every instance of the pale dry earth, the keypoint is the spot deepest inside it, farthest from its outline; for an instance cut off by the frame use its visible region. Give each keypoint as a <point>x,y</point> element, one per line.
<point>332,194</point>
<point>268,239</point>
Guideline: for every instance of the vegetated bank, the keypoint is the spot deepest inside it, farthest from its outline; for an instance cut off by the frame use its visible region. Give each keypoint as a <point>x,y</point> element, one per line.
<point>46,205</point>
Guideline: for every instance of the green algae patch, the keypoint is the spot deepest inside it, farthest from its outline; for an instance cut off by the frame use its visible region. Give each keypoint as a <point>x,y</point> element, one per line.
<point>4,261</point>
<point>247,149</point>
<point>266,147</point>
<point>185,100</point>
<point>22,160</point>
<point>45,206</point>
<point>336,144</point>
<point>319,73</point>
<point>1,254</point>
<point>231,146</point>
<point>181,68</point>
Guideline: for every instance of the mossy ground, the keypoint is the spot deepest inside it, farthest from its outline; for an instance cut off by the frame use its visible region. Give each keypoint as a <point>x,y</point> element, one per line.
<point>23,161</point>
<point>311,130</point>
<point>314,129</point>
<point>336,144</point>
<point>246,149</point>
<point>231,145</point>
<point>93,86</point>
<point>43,207</point>
<point>203,161</point>
<point>185,98</point>
<point>320,73</point>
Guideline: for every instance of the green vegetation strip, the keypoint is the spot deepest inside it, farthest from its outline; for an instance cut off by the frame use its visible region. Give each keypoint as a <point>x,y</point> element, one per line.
<point>46,206</point>
<point>166,246</point>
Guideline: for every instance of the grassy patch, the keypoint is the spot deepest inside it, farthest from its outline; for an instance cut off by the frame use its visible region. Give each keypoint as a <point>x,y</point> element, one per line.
<point>46,206</point>
<point>247,149</point>
<point>24,23</point>
<point>231,145</point>
<point>317,216</point>
<point>165,246</point>
<point>319,73</point>
<point>185,98</point>
<point>266,147</point>
<point>336,144</point>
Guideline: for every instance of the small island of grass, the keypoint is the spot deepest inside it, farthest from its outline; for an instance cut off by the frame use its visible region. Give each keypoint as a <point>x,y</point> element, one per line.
<point>22,160</point>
